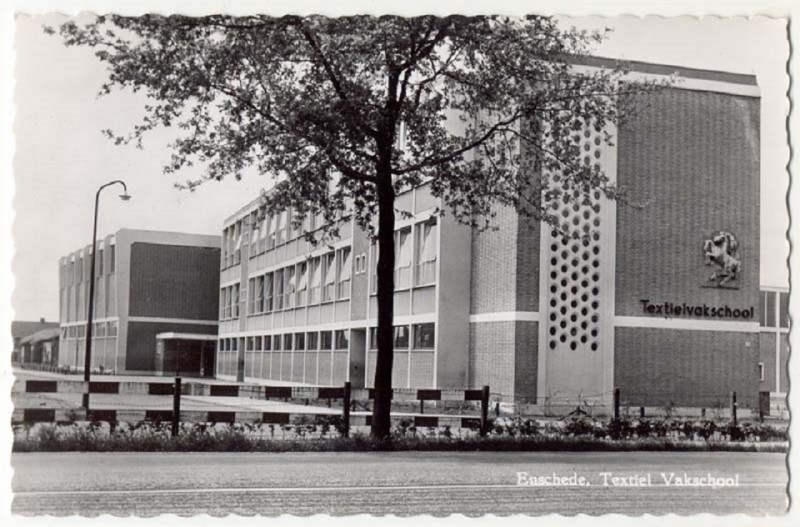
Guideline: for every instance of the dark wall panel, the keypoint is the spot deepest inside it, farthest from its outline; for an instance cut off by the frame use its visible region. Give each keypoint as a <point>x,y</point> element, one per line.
<point>172,281</point>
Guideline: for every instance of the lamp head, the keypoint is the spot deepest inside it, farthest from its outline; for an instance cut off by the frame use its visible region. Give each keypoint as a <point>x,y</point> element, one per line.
<point>125,197</point>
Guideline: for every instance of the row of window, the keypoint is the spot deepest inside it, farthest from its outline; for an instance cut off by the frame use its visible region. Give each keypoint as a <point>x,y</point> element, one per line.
<point>422,335</point>
<point>99,329</point>
<point>302,341</point>
<point>774,309</point>
<point>266,234</point>
<point>72,272</point>
<point>422,253</point>
<point>322,279</point>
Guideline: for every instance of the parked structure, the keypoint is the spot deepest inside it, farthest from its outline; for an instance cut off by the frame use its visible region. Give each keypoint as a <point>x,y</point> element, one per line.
<point>658,300</point>
<point>147,283</point>
<point>20,329</point>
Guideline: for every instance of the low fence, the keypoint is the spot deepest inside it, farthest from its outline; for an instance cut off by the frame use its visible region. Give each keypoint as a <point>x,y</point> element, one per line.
<point>345,393</point>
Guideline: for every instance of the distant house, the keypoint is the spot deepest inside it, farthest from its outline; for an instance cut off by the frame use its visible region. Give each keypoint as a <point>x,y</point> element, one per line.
<point>20,329</point>
<point>41,347</point>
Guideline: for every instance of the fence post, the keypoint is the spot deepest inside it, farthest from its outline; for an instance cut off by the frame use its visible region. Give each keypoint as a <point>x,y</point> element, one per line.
<point>641,412</point>
<point>616,404</point>
<point>421,406</point>
<point>484,411</point>
<point>176,406</point>
<point>733,407</point>
<point>346,409</point>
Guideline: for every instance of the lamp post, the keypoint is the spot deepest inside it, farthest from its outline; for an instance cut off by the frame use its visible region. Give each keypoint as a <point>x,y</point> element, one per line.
<point>87,359</point>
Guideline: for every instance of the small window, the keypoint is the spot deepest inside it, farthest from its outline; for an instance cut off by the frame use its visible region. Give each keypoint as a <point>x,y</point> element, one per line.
<point>329,272</point>
<point>99,264</point>
<point>424,336</point>
<point>373,338</point>
<point>312,338</point>
<point>326,341</point>
<point>345,267</point>
<point>761,371</point>
<point>316,281</point>
<point>342,339</point>
<point>267,343</point>
<point>257,345</point>
<point>771,309</point>
<point>291,287</point>
<point>112,259</point>
<point>287,342</point>
<point>299,341</point>
<point>402,267</point>
<point>276,342</point>
<point>783,305</point>
<point>302,283</point>
<point>401,339</point>
<point>250,343</point>
<point>426,253</point>
<point>278,284</point>
<point>268,293</point>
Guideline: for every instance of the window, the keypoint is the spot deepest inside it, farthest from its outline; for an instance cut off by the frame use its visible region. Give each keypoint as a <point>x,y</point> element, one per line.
<point>267,343</point>
<point>316,280</point>
<point>112,329</point>
<point>326,342</point>
<point>329,277</point>
<point>222,293</point>
<point>235,299</point>
<point>251,296</point>
<point>72,332</point>
<point>278,284</point>
<point>81,331</point>
<point>281,234</point>
<point>426,253</point>
<point>237,248</point>
<point>342,339</point>
<point>273,230</point>
<point>262,235</point>
<point>259,294</point>
<point>234,344</point>
<point>221,345</point>
<point>99,263</point>
<point>424,336</point>
<point>783,305</point>
<point>299,341</point>
<point>771,309</point>
<point>287,342</point>
<point>302,283</point>
<point>253,233</point>
<point>250,343</point>
<point>79,277</point>
<point>312,339</point>
<point>400,338</point>
<point>71,273</point>
<point>373,338</point>
<point>276,343</point>
<point>345,268</point>
<point>761,371</point>
<point>268,293</point>
<point>291,286</point>
<point>257,345</point>
<point>112,260</point>
<point>224,252</point>
<point>101,329</point>
<point>373,269</point>
<point>402,266</point>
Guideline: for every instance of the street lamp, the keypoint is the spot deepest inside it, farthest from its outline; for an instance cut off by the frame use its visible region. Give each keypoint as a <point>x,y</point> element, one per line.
<point>87,359</point>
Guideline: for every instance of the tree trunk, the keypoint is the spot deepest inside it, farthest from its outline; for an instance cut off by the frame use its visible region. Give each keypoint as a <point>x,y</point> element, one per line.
<point>381,416</point>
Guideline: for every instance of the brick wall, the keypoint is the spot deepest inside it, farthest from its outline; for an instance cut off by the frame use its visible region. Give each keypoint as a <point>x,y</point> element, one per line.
<point>494,265</point>
<point>692,160</point>
<point>526,363</point>
<point>690,368</point>
<point>492,362</point>
<point>174,281</point>
<point>767,356</point>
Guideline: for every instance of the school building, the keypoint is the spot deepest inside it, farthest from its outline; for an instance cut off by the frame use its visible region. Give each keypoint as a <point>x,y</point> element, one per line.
<point>147,283</point>
<point>659,298</point>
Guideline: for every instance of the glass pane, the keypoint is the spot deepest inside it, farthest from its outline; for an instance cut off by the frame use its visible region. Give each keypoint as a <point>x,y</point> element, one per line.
<point>784,307</point>
<point>424,336</point>
<point>771,309</point>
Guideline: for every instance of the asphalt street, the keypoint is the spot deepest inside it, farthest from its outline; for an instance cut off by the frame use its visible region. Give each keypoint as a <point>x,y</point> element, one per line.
<point>146,484</point>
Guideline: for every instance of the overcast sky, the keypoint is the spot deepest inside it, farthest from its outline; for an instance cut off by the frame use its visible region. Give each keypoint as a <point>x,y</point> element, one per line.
<point>61,157</point>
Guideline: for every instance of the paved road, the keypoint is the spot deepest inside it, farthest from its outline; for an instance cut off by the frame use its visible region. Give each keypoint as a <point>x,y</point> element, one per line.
<point>400,483</point>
